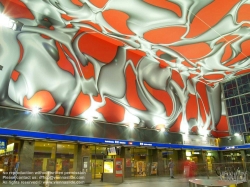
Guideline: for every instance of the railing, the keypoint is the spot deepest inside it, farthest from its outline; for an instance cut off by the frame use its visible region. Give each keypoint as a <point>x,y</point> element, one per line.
<point>224,171</point>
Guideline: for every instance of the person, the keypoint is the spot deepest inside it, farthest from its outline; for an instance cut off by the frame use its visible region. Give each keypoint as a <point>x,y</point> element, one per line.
<point>171,168</point>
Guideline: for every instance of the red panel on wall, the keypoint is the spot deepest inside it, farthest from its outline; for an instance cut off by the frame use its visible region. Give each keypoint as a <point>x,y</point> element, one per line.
<point>203,100</point>
<point>88,70</point>
<point>167,5</point>
<point>243,72</point>
<point>99,3</point>
<point>222,128</point>
<point>159,36</point>
<point>42,99</point>
<point>81,104</point>
<point>204,20</point>
<point>135,56</point>
<point>15,74</point>
<point>243,13</point>
<point>177,124</point>
<point>16,9</point>
<point>192,108</point>
<point>201,89</point>
<point>120,23</point>
<point>63,62</point>
<point>60,111</point>
<point>77,2</point>
<point>131,90</point>
<point>112,111</point>
<point>106,49</point>
<point>196,50</point>
<point>177,78</point>
<point>244,53</point>
<point>161,96</point>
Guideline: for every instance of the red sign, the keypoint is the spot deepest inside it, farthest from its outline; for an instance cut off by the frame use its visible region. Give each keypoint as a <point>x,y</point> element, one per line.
<point>118,167</point>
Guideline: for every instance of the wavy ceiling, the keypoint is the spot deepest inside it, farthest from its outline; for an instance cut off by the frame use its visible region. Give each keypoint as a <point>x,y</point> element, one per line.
<point>151,62</point>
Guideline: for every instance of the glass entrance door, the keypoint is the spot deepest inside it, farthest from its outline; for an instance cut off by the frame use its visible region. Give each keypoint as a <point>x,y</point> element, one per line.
<point>98,154</point>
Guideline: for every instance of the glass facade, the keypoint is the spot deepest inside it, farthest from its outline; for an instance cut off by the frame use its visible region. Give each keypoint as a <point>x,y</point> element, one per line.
<point>237,101</point>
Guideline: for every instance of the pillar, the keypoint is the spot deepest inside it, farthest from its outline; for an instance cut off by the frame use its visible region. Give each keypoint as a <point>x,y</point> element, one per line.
<point>26,155</point>
<point>126,154</point>
<point>83,151</point>
<point>157,157</point>
<point>243,158</point>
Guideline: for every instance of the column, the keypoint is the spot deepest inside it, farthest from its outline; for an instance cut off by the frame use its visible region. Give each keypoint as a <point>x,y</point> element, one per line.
<point>26,155</point>
<point>83,151</point>
<point>157,157</point>
<point>126,154</point>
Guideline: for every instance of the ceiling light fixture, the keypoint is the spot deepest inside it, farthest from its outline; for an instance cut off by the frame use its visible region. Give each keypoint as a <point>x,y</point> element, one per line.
<point>90,119</point>
<point>5,21</point>
<point>131,125</point>
<point>236,134</point>
<point>35,110</point>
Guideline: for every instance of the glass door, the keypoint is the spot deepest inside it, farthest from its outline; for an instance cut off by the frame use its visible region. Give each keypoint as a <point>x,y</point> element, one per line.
<point>98,154</point>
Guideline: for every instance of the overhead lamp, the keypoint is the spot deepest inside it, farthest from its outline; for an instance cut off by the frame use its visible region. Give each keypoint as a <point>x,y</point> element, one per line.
<point>162,129</point>
<point>236,134</point>
<point>90,119</point>
<point>35,110</point>
<point>131,125</point>
<point>5,21</point>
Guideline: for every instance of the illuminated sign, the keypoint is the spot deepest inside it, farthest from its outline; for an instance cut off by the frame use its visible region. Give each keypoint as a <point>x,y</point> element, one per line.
<point>196,153</point>
<point>146,144</point>
<point>109,141</point>
<point>10,148</point>
<point>230,147</point>
<point>3,144</point>
<point>115,142</point>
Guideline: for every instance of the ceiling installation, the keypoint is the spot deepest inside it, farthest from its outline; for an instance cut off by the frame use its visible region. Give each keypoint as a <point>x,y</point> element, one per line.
<point>155,63</point>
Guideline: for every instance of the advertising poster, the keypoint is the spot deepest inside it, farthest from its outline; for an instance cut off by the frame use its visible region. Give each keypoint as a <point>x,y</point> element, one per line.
<point>38,163</point>
<point>108,166</point>
<point>154,168</point>
<point>128,163</point>
<point>140,168</point>
<point>118,167</point>
<point>65,165</point>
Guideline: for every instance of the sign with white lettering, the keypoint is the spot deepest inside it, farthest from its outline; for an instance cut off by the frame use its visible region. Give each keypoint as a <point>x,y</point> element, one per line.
<point>230,147</point>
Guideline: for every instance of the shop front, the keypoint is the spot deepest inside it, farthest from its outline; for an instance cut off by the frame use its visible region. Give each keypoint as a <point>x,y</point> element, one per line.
<point>9,156</point>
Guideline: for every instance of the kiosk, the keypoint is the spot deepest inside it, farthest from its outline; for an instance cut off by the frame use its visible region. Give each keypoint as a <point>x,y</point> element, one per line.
<point>113,170</point>
<point>86,169</point>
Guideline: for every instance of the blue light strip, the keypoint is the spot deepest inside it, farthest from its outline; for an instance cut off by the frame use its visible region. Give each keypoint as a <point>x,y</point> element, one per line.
<point>59,137</point>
